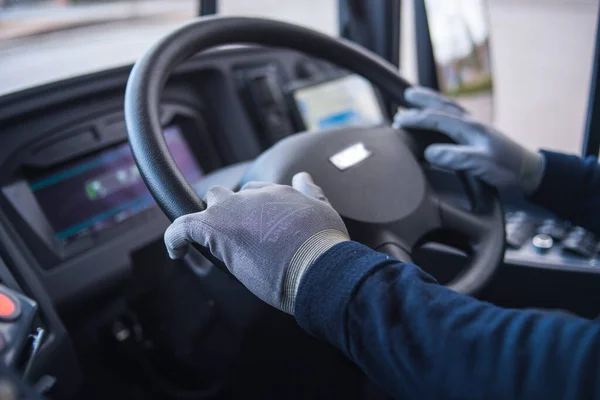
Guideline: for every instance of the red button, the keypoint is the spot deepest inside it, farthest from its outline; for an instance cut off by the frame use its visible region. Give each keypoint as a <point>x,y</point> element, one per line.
<point>8,308</point>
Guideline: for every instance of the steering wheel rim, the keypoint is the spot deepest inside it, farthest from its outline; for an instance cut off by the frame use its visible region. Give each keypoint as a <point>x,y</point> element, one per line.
<point>150,73</point>
<point>161,175</point>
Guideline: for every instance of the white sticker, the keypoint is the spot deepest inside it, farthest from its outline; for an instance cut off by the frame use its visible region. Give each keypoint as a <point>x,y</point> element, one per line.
<point>350,156</point>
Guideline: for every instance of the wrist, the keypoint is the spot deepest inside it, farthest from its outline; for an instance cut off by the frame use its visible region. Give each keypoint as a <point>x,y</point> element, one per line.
<point>329,286</point>
<point>532,171</point>
<point>303,259</point>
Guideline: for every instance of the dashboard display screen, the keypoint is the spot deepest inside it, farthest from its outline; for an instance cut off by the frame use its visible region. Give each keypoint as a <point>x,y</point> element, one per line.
<point>347,101</point>
<point>102,190</point>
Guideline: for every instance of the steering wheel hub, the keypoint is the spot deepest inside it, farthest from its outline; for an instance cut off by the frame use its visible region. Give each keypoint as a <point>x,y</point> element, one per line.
<point>365,191</point>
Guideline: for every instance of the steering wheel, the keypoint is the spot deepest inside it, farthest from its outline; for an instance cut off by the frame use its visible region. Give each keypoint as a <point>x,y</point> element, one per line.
<point>388,212</point>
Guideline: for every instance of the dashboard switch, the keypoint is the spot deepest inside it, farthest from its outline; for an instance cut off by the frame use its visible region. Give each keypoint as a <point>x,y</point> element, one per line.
<point>542,242</point>
<point>581,242</point>
<point>9,308</point>
<point>555,229</point>
<point>17,314</point>
<point>519,228</point>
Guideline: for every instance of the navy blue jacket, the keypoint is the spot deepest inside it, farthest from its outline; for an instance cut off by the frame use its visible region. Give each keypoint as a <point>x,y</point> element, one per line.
<point>420,340</point>
<point>571,189</point>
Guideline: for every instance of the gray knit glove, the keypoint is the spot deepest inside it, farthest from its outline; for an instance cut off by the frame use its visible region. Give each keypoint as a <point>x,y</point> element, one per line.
<point>482,150</point>
<point>267,235</point>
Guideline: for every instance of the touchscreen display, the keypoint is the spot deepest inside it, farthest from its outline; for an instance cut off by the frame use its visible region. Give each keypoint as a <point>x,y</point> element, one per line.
<point>102,190</point>
<point>346,101</point>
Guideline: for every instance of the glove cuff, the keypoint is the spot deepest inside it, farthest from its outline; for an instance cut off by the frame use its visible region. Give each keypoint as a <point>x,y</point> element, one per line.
<point>304,257</point>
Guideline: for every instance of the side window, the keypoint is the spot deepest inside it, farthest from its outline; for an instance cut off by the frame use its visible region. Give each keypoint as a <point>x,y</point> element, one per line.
<point>460,39</point>
<point>541,61</point>
<point>321,15</point>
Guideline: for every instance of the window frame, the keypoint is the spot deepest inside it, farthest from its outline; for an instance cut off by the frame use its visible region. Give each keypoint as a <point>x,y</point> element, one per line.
<point>591,139</point>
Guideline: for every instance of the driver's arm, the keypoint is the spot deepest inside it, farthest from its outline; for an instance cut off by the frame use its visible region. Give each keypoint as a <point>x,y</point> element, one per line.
<point>570,187</point>
<point>566,185</point>
<point>420,340</point>
<point>413,337</point>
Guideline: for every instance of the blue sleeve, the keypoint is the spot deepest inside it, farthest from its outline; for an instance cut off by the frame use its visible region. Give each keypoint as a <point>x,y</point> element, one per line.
<point>570,188</point>
<point>418,339</point>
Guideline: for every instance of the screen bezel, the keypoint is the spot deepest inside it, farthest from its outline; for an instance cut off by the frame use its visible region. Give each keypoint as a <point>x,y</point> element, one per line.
<point>34,204</point>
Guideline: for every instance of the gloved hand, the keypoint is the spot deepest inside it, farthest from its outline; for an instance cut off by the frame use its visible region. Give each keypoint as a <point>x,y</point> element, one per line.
<point>267,235</point>
<point>482,150</point>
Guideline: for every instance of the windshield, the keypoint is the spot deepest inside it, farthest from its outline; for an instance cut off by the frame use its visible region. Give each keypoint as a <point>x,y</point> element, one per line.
<point>42,41</point>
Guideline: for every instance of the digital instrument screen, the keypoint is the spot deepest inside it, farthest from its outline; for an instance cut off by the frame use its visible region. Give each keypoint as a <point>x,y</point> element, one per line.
<point>102,190</point>
<point>347,101</point>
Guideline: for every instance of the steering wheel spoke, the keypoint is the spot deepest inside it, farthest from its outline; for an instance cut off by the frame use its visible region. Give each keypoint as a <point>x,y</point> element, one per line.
<point>419,223</point>
<point>457,219</point>
<point>400,237</point>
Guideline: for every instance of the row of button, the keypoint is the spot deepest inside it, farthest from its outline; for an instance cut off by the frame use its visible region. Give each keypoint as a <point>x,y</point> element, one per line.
<point>581,242</point>
<point>520,228</point>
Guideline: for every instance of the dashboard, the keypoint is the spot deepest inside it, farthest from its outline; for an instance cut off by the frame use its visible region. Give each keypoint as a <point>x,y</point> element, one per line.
<point>75,211</point>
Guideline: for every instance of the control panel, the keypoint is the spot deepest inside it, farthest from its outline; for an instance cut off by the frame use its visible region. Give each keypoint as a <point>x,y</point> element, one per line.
<point>550,242</point>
